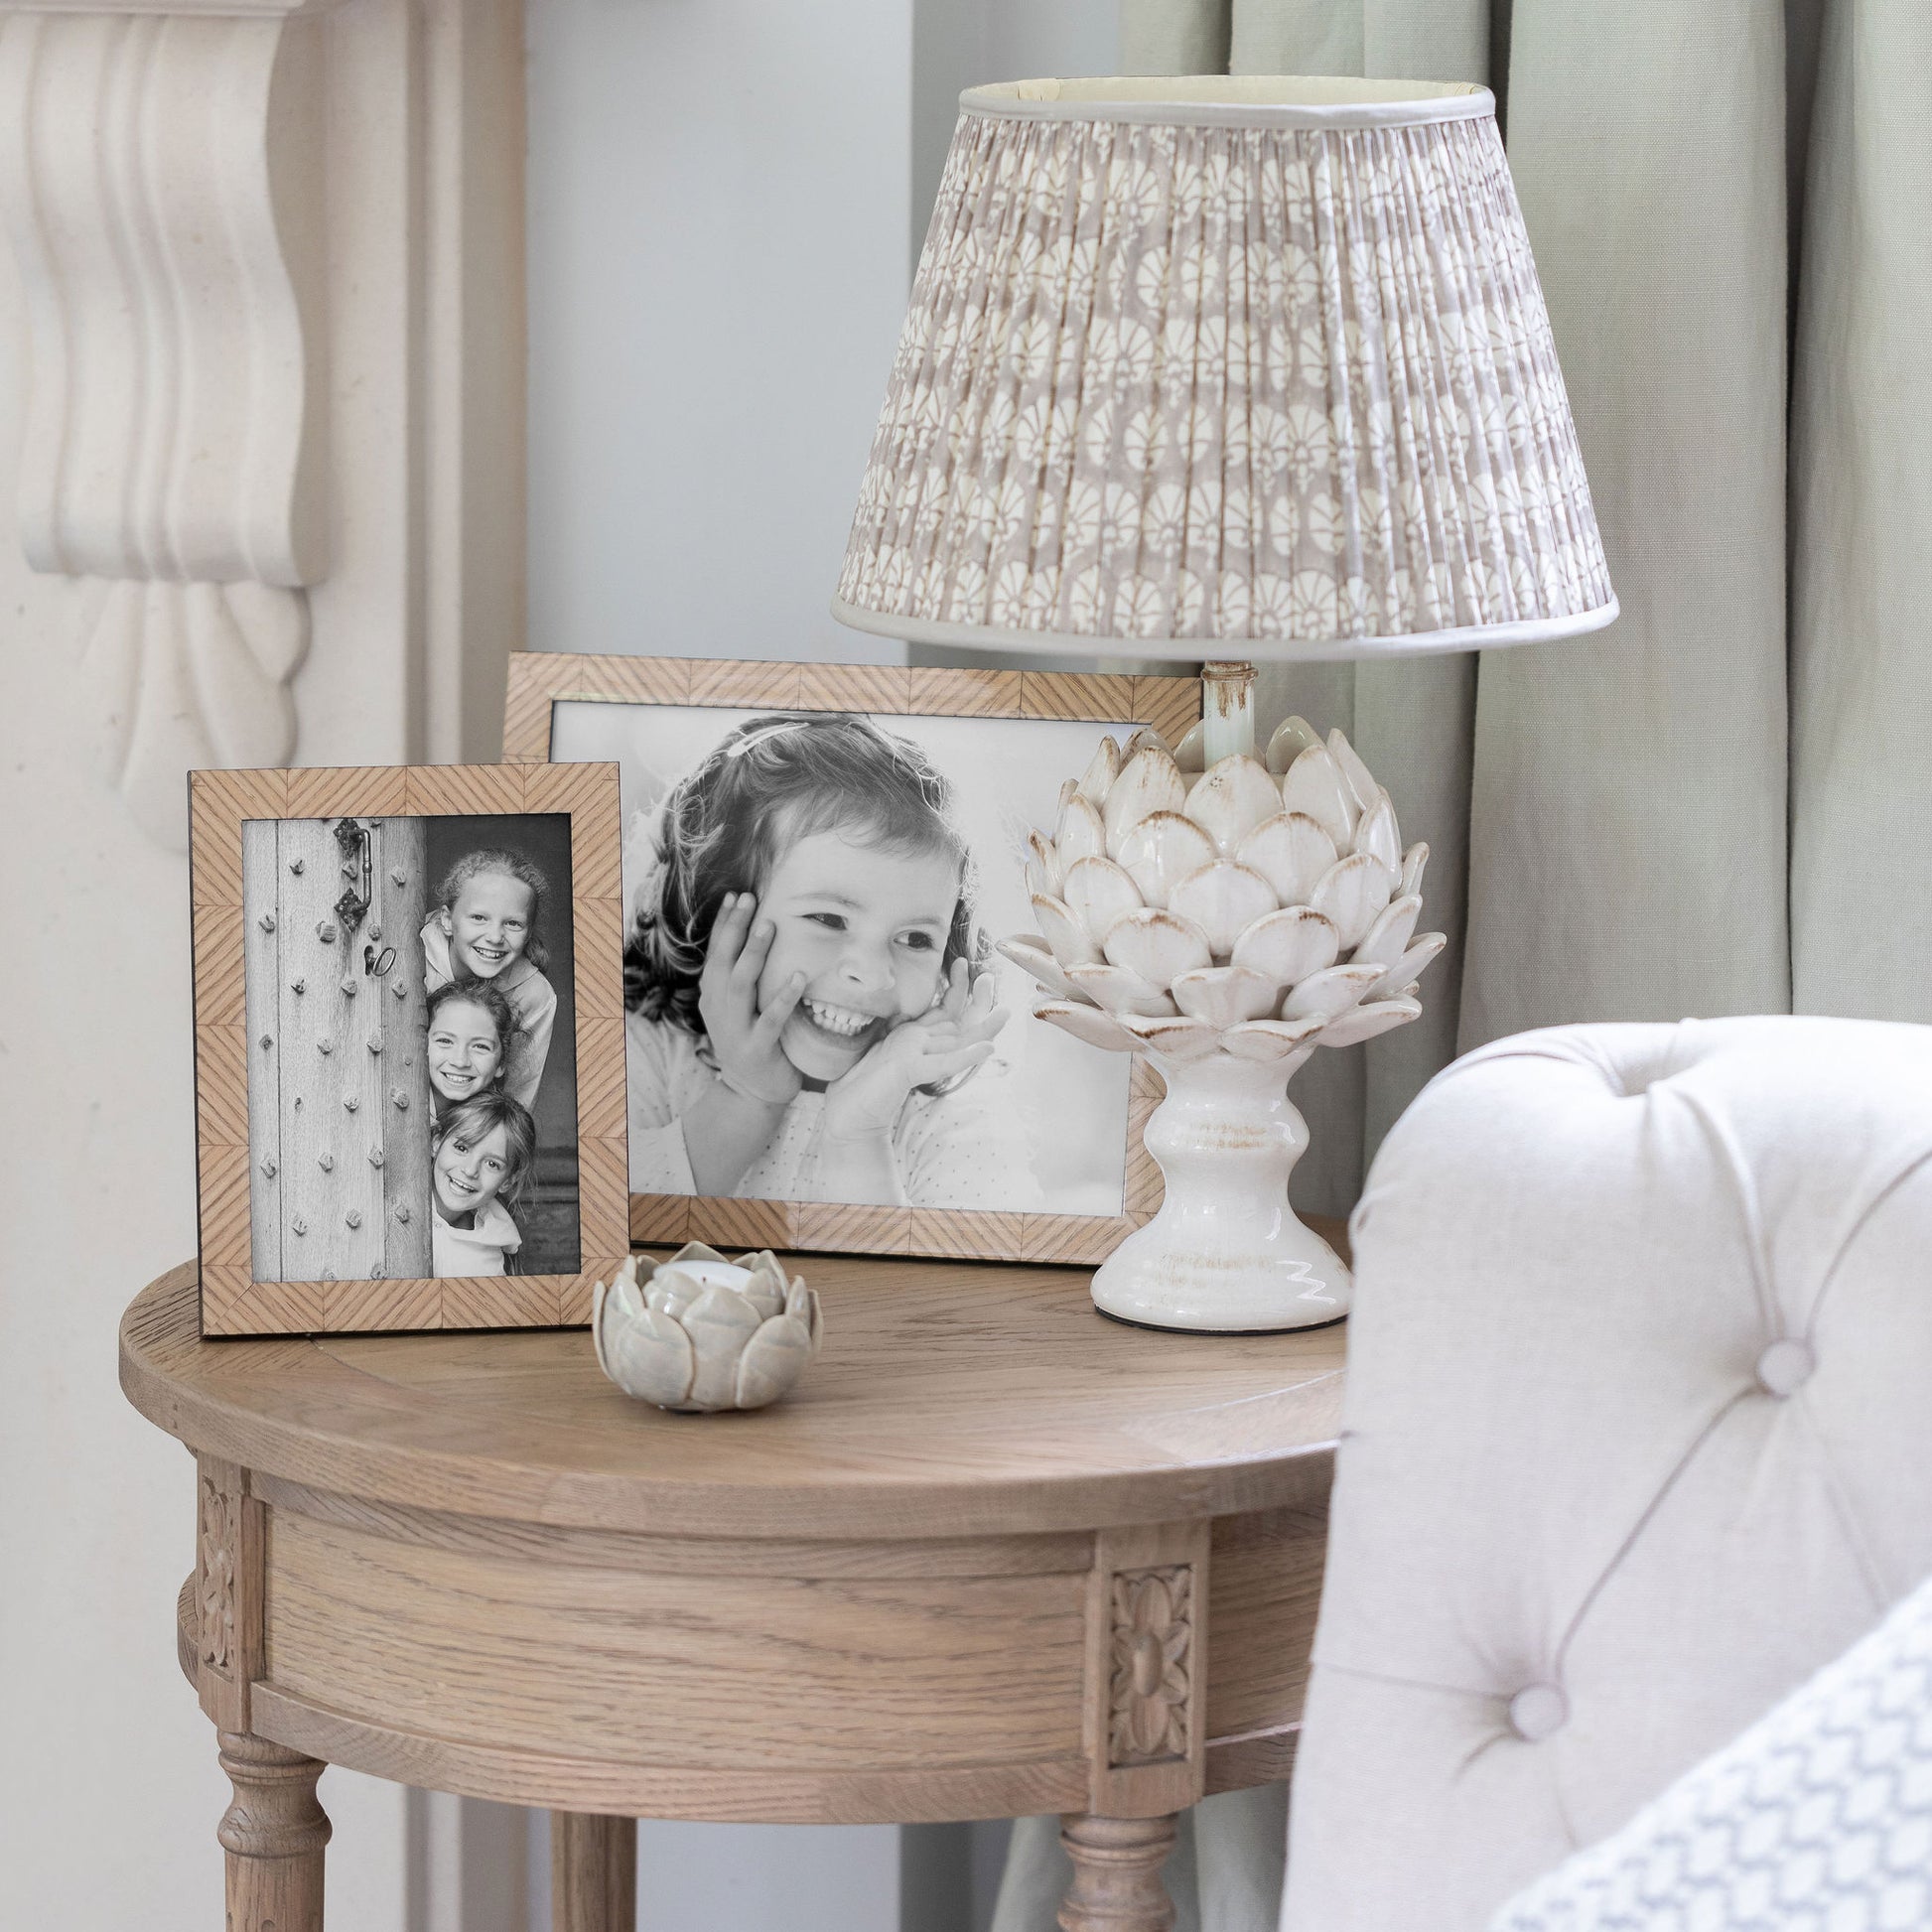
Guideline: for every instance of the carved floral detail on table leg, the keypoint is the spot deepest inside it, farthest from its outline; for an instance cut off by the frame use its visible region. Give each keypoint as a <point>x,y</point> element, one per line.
<point>1152,1664</point>
<point>216,1573</point>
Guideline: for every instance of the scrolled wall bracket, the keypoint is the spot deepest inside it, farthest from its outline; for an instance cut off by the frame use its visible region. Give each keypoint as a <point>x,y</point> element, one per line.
<point>162,192</point>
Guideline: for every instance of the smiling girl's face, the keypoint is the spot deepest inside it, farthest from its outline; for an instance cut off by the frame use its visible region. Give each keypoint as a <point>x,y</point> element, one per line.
<point>466,1174</point>
<point>489,923</point>
<point>868,929</point>
<point>466,1051</point>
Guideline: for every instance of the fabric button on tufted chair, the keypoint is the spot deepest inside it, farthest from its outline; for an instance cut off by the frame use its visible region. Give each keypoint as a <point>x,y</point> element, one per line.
<point>1820,1816</point>
<point>1638,1436</point>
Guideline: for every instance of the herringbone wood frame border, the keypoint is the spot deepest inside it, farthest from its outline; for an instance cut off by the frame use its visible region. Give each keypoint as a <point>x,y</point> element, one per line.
<point>232,1303</point>
<point>539,680</point>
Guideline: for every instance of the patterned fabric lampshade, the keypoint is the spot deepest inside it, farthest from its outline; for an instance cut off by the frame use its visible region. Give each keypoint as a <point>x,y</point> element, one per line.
<point>1258,364</point>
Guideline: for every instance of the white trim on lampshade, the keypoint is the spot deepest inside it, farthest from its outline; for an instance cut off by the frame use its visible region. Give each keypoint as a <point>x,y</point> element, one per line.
<point>1233,100</point>
<point>1475,636</point>
<point>1250,368</point>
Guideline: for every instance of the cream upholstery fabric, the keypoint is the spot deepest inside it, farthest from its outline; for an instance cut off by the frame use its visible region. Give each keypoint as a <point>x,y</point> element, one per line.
<point>1637,1438</point>
<point>1818,1818</point>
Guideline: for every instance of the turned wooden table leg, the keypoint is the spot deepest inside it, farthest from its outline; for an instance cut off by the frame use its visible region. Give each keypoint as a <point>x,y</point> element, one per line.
<point>593,1872</point>
<point>273,1834</point>
<point>1117,1883</point>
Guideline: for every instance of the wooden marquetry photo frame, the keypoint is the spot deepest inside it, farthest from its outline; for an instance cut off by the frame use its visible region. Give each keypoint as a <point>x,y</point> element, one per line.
<point>408,1047</point>
<point>877,818</point>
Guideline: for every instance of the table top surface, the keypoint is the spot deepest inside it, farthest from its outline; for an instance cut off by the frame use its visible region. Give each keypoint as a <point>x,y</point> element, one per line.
<point>950,1399</point>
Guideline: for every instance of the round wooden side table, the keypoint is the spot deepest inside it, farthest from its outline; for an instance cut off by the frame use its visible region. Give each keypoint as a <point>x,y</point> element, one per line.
<point>993,1556</point>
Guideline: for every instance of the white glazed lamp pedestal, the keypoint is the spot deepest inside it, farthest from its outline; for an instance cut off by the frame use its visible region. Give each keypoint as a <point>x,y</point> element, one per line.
<point>1225,1253</point>
<point>1225,924</point>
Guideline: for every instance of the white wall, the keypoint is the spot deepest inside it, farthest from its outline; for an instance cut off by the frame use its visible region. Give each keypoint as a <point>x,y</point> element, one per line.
<point>725,202</point>
<point>718,206</point>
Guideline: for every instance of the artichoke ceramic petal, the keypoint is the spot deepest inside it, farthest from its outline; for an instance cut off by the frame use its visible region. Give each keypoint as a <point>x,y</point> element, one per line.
<point>1118,989</point>
<point>1403,975</point>
<point>1066,937</point>
<point>1033,954</point>
<point>1388,938</point>
<point>1223,899</point>
<point>1148,782</point>
<point>1225,996</point>
<point>1270,893</point>
<point>1099,893</point>
<point>1377,838</point>
<point>1044,855</point>
<point>1087,1022</point>
<point>1228,800</point>
<point>1293,736</point>
<point>1102,768</point>
<point>699,1333</point>
<point>1082,833</point>
<point>1314,786</point>
<point>1162,849</point>
<point>1292,852</point>
<point>1288,945</point>
<point>1359,778</point>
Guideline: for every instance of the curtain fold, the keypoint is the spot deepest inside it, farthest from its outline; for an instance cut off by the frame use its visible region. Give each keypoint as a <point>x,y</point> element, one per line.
<point>1175,36</point>
<point>1861,524</point>
<point>1628,827</point>
<point>1724,803</point>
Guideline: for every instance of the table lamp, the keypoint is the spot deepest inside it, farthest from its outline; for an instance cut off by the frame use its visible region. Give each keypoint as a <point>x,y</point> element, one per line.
<point>1239,368</point>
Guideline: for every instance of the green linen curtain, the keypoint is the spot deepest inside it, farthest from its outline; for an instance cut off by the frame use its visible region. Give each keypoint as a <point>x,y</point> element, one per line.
<point>1723,804</point>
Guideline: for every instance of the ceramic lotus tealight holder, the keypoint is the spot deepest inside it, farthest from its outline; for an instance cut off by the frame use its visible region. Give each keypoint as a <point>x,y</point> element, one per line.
<point>1226,923</point>
<point>699,1333</point>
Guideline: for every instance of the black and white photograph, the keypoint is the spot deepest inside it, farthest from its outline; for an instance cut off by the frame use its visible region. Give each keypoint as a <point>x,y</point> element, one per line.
<point>814,1007</point>
<point>412,1080</point>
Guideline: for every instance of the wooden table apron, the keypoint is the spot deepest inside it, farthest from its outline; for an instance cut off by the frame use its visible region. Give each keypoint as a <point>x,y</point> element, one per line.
<point>995,1556</point>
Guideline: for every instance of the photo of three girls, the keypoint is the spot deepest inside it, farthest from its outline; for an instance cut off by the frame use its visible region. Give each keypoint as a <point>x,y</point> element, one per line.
<point>502,1111</point>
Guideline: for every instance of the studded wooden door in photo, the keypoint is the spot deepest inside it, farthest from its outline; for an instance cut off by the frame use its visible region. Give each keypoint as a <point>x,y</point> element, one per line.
<point>339,1188</point>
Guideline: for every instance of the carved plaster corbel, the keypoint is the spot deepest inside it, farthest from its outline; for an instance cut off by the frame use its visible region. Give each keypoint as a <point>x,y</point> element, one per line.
<point>161,178</point>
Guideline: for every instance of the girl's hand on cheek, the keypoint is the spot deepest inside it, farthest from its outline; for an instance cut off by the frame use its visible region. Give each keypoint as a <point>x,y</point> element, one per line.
<point>967,1008</point>
<point>865,1103</point>
<point>745,1041</point>
<point>957,1033</point>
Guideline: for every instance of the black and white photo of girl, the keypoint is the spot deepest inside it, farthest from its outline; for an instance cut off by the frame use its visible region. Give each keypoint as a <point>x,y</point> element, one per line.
<point>814,1009</point>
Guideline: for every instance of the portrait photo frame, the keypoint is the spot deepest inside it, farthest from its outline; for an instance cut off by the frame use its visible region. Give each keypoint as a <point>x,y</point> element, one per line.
<point>316,994</point>
<point>542,686</point>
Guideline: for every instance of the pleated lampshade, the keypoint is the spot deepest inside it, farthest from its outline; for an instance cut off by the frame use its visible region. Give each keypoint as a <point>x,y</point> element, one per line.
<point>1258,365</point>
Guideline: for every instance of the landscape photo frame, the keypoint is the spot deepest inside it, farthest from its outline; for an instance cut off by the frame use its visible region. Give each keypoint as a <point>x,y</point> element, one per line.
<point>363,1063</point>
<point>1008,738</point>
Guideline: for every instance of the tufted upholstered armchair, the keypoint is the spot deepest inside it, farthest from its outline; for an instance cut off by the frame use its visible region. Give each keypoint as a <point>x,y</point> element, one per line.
<point>1638,1436</point>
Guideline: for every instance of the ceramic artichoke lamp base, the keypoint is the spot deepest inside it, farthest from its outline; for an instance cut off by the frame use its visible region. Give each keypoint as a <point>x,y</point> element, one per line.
<point>1226,922</point>
<point>1225,1254</point>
